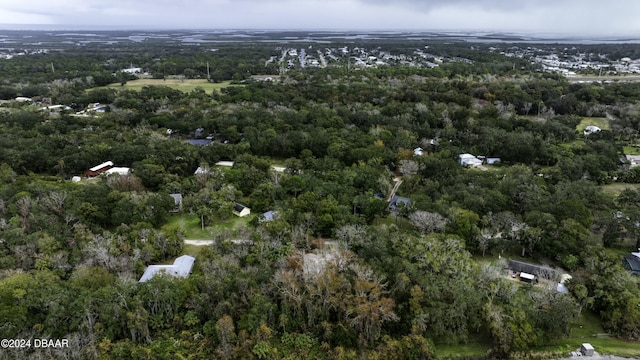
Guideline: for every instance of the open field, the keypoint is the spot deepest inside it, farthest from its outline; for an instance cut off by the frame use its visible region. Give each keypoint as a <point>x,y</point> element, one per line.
<point>192,227</point>
<point>588,329</point>
<point>602,123</point>
<point>616,188</point>
<point>631,150</point>
<point>185,85</point>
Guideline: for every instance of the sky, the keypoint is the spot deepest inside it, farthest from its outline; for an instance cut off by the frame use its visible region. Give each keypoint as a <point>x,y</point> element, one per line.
<point>587,18</point>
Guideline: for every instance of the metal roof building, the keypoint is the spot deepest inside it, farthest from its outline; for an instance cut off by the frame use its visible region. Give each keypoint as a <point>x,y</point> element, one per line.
<point>181,268</point>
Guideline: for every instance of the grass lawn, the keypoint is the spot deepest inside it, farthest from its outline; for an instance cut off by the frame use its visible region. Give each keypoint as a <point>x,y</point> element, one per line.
<point>190,225</point>
<point>602,123</point>
<point>631,150</point>
<point>185,85</point>
<point>588,329</point>
<point>193,229</point>
<point>616,188</point>
<point>468,350</point>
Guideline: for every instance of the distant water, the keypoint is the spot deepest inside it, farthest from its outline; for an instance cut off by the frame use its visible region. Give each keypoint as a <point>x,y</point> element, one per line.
<point>328,34</point>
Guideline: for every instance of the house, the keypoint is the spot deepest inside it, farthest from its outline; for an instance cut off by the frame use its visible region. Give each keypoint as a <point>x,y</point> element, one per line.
<point>241,210</point>
<point>132,70</point>
<point>418,151</point>
<point>99,169</point>
<point>181,268</point>
<point>634,160</point>
<point>118,171</point>
<point>632,262</point>
<point>55,109</point>
<point>202,170</point>
<point>199,142</point>
<point>398,202</point>
<point>591,129</point>
<point>269,216</point>
<point>492,161</point>
<point>469,160</point>
<point>535,270</point>
<point>23,99</point>
<point>177,202</point>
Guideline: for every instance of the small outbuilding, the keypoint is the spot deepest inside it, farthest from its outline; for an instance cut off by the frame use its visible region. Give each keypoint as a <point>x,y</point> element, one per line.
<point>527,278</point>
<point>241,210</point>
<point>587,350</point>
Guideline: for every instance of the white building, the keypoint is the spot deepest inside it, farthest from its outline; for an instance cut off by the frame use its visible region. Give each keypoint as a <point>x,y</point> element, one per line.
<point>181,268</point>
<point>469,160</point>
<point>591,129</point>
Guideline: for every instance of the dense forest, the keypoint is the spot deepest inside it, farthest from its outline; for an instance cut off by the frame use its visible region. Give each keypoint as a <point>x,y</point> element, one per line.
<point>338,274</point>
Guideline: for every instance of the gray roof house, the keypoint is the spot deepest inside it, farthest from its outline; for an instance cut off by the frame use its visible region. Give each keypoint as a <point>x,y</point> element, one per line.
<point>399,202</point>
<point>269,216</point>
<point>181,268</point>
<point>177,202</point>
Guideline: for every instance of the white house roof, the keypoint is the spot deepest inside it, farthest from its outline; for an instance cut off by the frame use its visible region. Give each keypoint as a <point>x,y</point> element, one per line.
<point>527,276</point>
<point>103,165</point>
<point>118,170</point>
<point>591,129</point>
<point>181,268</point>
<point>201,170</point>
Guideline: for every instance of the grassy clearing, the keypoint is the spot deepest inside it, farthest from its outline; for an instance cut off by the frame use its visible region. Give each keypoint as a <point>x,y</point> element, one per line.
<point>616,188</point>
<point>588,329</point>
<point>631,150</point>
<point>602,123</point>
<point>186,85</point>
<point>469,350</point>
<point>192,227</point>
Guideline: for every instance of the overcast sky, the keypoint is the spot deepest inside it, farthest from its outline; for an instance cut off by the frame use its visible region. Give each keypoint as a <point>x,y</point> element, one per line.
<point>575,17</point>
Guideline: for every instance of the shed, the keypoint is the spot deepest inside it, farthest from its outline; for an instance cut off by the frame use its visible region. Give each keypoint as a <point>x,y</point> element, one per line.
<point>493,160</point>
<point>587,350</point>
<point>241,210</point>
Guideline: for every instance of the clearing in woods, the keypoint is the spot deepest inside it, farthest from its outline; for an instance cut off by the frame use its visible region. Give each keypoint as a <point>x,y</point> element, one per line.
<point>185,85</point>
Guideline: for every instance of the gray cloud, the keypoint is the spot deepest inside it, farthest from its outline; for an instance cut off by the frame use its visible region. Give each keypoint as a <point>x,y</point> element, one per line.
<point>588,17</point>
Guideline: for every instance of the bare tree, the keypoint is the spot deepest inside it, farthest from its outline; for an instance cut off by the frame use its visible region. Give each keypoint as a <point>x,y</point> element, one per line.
<point>428,222</point>
<point>409,167</point>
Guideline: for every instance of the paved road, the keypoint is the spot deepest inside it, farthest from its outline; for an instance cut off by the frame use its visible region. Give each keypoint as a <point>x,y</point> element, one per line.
<point>596,356</point>
<point>203,242</point>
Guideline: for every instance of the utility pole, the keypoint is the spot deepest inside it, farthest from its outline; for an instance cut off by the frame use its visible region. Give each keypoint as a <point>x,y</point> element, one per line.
<point>208,75</point>
<point>53,70</point>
